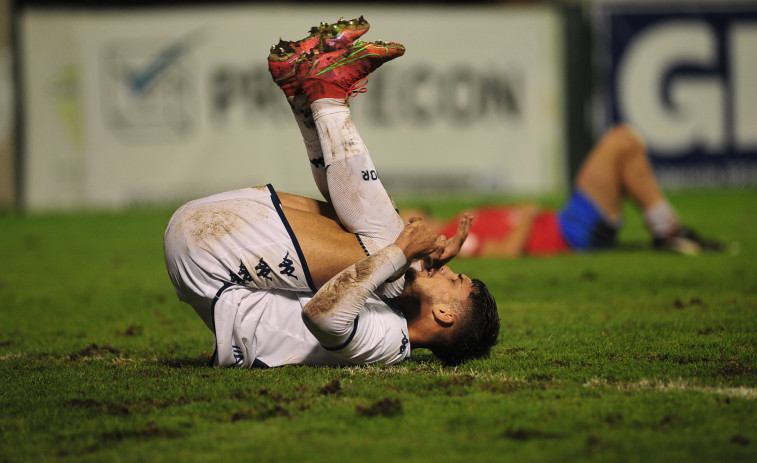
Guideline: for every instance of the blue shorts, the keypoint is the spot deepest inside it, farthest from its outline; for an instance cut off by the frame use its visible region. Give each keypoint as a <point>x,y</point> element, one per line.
<point>583,224</point>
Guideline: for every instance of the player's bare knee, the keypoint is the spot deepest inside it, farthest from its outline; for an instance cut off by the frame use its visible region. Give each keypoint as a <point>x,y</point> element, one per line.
<point>628,138</point>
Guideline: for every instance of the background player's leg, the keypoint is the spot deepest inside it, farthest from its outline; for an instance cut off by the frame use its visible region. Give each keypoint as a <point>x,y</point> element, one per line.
<point>618,166</point>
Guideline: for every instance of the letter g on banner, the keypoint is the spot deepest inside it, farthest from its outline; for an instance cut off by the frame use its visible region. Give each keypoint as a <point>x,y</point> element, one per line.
<point>676,111</point>
<point>684,75</point>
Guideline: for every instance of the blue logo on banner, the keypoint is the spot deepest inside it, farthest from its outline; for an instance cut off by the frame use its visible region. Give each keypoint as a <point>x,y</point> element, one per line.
<point>148,91</point>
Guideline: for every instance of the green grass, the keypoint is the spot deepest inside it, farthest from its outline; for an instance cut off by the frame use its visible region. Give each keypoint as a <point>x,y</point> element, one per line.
<point>631,355</point>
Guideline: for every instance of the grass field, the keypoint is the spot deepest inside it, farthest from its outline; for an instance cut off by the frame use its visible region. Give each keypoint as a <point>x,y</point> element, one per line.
<point>631,355</point>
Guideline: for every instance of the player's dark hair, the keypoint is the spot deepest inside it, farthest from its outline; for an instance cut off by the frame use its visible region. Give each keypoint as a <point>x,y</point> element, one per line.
<point>476,332</point>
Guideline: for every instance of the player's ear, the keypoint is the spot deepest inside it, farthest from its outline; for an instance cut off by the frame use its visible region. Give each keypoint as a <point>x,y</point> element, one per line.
<point>443,314</point>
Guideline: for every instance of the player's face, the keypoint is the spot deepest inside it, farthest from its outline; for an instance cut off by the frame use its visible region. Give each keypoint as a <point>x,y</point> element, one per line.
<point>443,283</point>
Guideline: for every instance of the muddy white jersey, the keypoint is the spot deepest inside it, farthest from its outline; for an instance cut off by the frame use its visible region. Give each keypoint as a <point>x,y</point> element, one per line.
<point>234,258</point>
<point>265,329</point>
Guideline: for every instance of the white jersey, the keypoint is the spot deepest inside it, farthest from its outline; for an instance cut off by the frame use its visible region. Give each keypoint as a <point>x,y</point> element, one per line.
<point>234,259</point>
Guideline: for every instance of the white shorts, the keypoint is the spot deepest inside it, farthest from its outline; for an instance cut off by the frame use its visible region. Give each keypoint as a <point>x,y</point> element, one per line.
<point>240,237</point>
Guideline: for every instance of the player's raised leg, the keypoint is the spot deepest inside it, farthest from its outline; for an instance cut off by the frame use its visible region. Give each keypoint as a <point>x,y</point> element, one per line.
<point>357,194</point>
<point>282,66</point>
<point>618,166</point>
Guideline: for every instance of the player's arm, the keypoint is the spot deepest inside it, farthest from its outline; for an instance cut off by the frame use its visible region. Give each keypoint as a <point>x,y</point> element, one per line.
<point>452,245</point>
<point>514,243</point>
<point>331,314</point>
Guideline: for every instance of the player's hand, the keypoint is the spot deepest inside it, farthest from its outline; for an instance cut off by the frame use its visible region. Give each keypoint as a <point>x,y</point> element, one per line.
<point>417,240</point>
<point>449,248</point>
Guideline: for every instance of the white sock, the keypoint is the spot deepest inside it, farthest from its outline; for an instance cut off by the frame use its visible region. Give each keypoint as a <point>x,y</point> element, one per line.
<point>304,117</point>
<point>661,219</point>
<point>358,196</point>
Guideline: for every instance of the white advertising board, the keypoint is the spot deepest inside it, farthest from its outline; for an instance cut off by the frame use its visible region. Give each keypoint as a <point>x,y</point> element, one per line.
<point>150,106</point>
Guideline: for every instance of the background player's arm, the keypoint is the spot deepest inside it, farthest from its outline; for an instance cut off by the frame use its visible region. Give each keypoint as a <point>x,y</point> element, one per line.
<point>514,243</point>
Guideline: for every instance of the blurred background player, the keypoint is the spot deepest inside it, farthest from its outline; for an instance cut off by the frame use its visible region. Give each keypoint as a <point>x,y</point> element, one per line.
<point>617,168</point>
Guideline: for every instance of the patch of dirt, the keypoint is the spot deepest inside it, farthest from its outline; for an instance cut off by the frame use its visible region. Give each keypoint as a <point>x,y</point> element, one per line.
<point>260,414</point>
<point>528,434</point>
<point>734,368</point>
<point>331,388</point>
<point>456,381</point>
<point>424,369</point>
<point>383,407</point>
<point>174,402</point>
<point>132,330</point>
<point>243,395</point>
<point>678,303</point>
<point>654,357</point>
<point>150,431</point>
<point>505,387</point>
<point>511,350</point>
<point>94,351</point>
<point>110,408</point>
<point>538,377</point>
<point>275,397</point>
<point>85,403</point>
<point>740,440</point>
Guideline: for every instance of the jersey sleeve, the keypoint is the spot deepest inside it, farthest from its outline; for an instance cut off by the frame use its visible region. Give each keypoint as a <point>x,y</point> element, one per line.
<point>332,315</point>
<point>379,336</point>
<point>393,287</point>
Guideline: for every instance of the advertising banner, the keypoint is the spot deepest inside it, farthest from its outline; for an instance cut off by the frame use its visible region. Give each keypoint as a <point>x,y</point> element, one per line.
<point>7,108</point>
<point>685,75</point>
<point>146,106</point>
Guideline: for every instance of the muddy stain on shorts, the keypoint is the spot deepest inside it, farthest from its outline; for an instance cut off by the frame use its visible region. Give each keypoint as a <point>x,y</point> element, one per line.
<point>209,223</point>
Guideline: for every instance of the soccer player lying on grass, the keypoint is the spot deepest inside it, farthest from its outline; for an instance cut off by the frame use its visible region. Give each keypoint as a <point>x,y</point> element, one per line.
<point>617,167</point>
<point>282,279</point>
